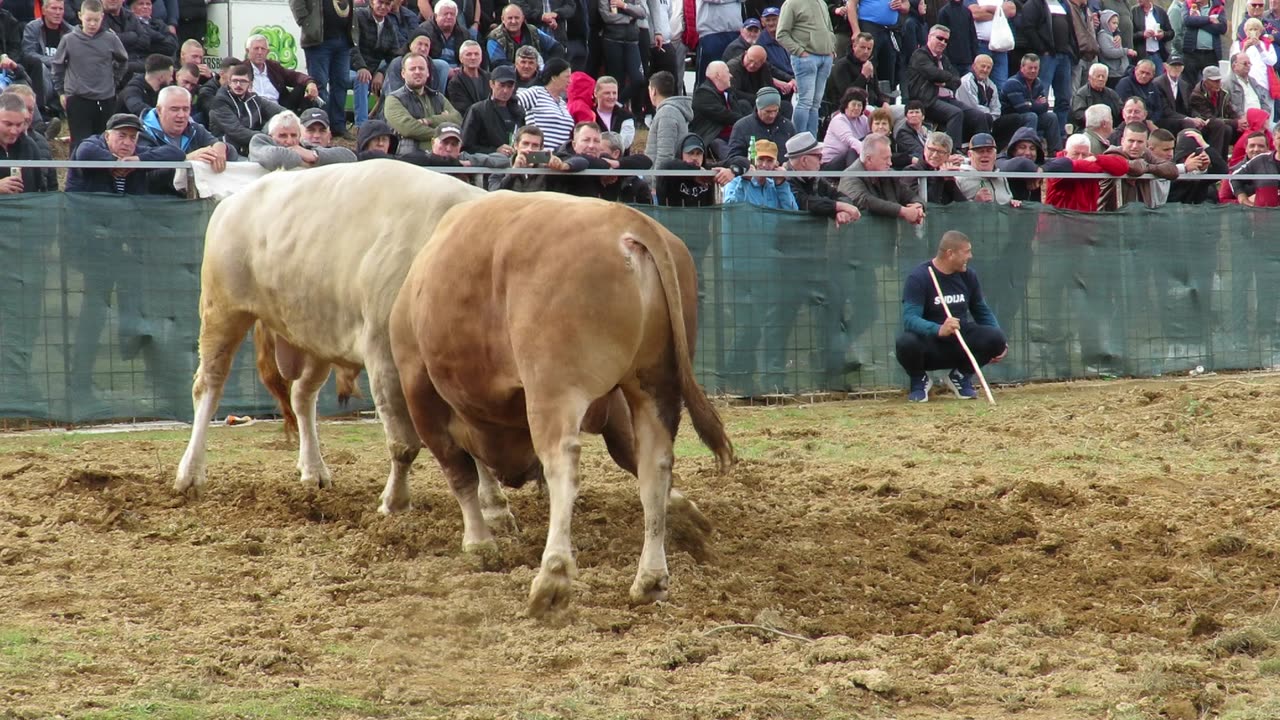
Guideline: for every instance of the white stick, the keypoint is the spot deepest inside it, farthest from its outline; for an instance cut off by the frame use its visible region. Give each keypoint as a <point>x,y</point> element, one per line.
<point>942,299</point>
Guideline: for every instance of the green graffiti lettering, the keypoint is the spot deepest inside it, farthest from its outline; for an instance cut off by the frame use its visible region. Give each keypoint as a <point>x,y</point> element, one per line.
<point>284,47</point>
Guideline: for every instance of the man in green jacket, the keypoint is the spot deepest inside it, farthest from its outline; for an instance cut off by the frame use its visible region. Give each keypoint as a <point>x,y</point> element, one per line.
<point>804,29</point>
<point>415,111</point>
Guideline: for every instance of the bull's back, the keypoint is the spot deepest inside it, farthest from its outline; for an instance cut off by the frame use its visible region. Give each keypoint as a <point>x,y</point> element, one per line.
<point>489,294</point>
<point>319,253</point>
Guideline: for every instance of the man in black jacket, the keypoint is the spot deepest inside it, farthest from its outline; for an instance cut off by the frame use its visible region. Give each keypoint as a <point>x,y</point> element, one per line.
<point>716,109</point>
<point>680,191</point>
<point>237,113</point>
<point>937,156</point>
<point>490,124</point>
<point>139,94</point>
<point>933,80</point>
<point>855,70</point>
<point>133,33</point>
<point>1052,36</point>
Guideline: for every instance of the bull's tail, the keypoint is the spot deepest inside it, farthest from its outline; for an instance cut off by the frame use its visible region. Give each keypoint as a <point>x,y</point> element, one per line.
<point>348,385</point>
<point>706,421</point>
<point>264,343</point>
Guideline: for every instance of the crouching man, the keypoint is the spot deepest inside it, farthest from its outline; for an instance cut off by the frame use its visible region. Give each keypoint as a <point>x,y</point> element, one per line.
<point>929,338</point>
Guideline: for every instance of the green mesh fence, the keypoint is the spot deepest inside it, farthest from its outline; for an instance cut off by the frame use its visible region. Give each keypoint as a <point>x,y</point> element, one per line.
<point>98,298</point>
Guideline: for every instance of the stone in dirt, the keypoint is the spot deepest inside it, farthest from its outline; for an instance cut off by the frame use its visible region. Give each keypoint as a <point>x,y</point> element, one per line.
<point>875,680</point>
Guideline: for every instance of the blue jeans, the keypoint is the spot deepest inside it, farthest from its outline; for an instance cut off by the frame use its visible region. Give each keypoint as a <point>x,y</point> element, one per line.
<point>329,64</point>
<point>1055,71</point>
<point>999,64</point>
<point>360,93</point>
<point>622,61</point>
<point>812,72</point>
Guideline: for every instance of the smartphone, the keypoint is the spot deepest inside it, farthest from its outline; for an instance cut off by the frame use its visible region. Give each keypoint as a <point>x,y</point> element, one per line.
<point>538,157</point>
<point>15,172</point>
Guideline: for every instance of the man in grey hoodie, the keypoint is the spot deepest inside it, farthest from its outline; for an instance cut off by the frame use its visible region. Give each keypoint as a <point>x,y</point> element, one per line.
<point>87,68</point>
<point>670,120</point>
<point>281,147</point>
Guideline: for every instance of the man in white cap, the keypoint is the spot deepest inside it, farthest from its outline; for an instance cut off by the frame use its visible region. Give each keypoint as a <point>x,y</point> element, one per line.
<point>817,196</point>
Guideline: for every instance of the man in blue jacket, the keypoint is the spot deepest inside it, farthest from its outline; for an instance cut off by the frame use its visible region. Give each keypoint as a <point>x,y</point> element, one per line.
<point>1025,95</point>
<point>170,126</point>
<point>929,338</point>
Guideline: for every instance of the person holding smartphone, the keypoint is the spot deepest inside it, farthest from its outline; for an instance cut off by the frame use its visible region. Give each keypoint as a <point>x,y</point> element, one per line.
<point>529,154</point>
<point>16,144</point>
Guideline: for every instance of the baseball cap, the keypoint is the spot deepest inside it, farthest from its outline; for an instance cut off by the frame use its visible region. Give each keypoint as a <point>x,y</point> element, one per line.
<point>693,142</point>
<point>770,11</point>
<point>1213,72</point>
<point>124,120</point>
<point>982,140</point>
<point>751,23</point>
<point>1175,59</point>
<point>766,148</point>
<point>311,116</point>
<point>527,51</point>
<point>503,74</point>
<point>450,130</point>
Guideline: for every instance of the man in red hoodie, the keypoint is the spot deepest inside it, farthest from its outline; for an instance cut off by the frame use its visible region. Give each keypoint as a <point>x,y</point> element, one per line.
<point>1082,194</point>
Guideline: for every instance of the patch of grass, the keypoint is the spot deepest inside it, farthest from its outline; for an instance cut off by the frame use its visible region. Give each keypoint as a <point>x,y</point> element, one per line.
<point>19,649</point>
<point>1250,709</point>
<point>1270,666</point>
<point>300,704</point>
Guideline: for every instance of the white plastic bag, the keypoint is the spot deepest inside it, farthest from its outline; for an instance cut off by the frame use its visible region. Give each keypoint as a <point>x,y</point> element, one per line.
<point>1001,34</point>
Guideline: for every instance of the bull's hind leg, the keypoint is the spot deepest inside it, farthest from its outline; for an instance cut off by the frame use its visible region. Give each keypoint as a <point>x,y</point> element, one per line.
<point>493,503</point>
<point>554,424</point>
<point>220,337</point>
<point>304,394</point>
<point>654,455</point>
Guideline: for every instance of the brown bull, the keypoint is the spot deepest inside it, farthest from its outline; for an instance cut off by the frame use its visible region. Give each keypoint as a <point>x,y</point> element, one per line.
<point>508,345</point>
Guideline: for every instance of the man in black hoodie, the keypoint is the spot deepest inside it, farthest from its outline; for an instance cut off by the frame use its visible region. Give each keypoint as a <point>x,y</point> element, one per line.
<point>139,94</point>
<point>684,191</point>
<point>1023,154</point>
<point>237,113</point>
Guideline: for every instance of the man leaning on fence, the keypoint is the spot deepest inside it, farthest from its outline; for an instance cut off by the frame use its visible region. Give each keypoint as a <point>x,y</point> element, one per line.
<point>170,124</point>
<point>886,196</point>
<point>929,339</point>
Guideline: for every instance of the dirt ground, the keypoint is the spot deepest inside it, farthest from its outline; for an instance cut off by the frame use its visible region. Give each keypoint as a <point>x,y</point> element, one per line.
<point>1086,550</point>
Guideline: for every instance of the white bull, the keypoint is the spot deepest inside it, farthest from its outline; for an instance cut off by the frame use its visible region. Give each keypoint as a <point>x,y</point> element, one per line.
<point>298,252</point>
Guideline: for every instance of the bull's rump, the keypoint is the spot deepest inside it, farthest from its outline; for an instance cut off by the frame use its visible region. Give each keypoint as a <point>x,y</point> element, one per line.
<point>319,255</point>
<point>501,310</point>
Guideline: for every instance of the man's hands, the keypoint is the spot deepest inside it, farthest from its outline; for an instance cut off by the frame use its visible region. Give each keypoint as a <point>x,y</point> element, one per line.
<point>912,213</point>
<point>11,185</point>
<point>124,172</point>
<point>846,213</point>
<point>868,70</point>
<point>309,157</point>
<point>375,85</point>
<point>1197,162</point>
<point>1000,357</point>
<point>364,76</point>
<point>312,91</point>
<point>950,326</point>
<point>549,19</point>
<point>215,155</point>
<point>985,195</point>
<point>506,150</point>
<point>724,176</point>
<point>7,63</point>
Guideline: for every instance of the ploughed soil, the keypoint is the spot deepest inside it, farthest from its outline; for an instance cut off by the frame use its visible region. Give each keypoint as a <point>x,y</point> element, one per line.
<point>1084,550</point>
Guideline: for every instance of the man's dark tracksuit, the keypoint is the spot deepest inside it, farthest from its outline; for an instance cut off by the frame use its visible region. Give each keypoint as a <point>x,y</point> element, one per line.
<point>919,349</point>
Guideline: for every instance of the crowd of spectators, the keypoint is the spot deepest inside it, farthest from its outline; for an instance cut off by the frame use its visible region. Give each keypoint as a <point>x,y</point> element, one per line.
<point>876,85</point>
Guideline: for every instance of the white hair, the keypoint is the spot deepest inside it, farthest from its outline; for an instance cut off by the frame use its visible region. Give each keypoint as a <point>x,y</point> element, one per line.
<point>1096,116</point>
<point>1076,140</point>
<point>874,142</point>
<point>468,44</point>
<point>172,91</point>
<point>254,38</point>
<point>940,139</point>
<point>1099,67</point>
<point>281,119</point>
<point>446,4</point>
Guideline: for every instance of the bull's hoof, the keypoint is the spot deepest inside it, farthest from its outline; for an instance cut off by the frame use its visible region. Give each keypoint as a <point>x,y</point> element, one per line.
<point>553,588</point>
<point>500,521</point>
<point>190,480</point>
<point>317,477</point>
<point>393,504</point>
<point>681,506</point>
<point>650,587</point>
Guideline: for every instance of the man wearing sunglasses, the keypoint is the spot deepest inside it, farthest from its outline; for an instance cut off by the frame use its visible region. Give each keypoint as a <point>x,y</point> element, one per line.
<point>932,79</point>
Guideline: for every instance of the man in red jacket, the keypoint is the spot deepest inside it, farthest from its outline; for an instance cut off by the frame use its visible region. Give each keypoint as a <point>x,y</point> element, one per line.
<point>1082,194</point>
<point>1080,274</point>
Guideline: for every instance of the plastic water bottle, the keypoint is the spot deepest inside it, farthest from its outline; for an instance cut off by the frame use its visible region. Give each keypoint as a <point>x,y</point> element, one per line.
<point>751,150</point>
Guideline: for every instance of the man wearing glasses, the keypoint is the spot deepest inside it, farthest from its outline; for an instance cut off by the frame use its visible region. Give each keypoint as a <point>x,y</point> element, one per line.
<point>941,190</point>
<point>932,79</point>
<point>237,113</point>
